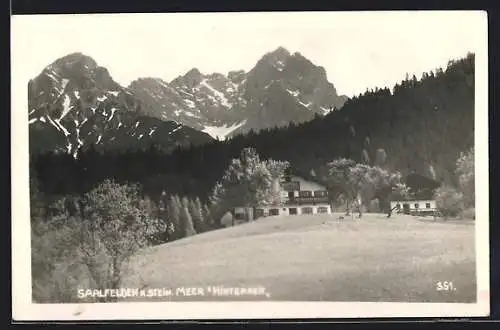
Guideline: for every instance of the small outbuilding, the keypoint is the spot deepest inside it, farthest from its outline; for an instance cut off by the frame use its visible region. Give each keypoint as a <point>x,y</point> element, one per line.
<point>416,207</point>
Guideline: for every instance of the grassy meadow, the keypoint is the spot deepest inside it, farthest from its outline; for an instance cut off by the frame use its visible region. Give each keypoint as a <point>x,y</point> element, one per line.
<point>316,258</point>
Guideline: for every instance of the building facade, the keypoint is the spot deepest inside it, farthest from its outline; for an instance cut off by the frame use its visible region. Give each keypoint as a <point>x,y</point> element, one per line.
<point>290,209</point>
<point>414,206</point>
<point>298,196</point>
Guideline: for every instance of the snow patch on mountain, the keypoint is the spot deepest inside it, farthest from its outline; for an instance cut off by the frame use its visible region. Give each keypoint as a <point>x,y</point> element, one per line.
<point>219,95</point>
<point>307,105</point>
<point>188,94</point>
<point>222,132</point>
<point>113,110</point>
<point>65,131</point>
<point>53,124</point>
<point>325,110</point>
<point>190,103</point>
<point>80,142</point>
<point>66,106</point>
<point>64,83</point>
<point>190,114</point>
<point>52,75</point>
<point>161,82</point>
<point>175,129</point>
<point>279,65</point>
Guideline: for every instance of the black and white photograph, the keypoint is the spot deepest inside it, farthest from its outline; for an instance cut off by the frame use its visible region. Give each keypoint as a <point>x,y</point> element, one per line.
<point>250,165</point>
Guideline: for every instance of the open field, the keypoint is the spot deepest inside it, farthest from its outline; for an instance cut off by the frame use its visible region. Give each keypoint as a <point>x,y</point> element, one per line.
<point>314,258</point>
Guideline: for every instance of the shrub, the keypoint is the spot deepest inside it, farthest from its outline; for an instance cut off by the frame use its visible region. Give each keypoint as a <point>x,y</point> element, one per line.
<point>227,219</point>
<point>465,171</point>
<point>57,270</point>
<point>69,253</point>
<point>374,207</point>
<point>449,201</point>
<point>469,213</point>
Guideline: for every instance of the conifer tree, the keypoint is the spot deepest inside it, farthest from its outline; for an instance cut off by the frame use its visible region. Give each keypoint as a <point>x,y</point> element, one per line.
<point>186,221</point>
<point>196,214</point>
<point>174,217</point>
<point>364,157</point>
<point>207,217</point>
<point>381,158</point>
<point>201,219</point>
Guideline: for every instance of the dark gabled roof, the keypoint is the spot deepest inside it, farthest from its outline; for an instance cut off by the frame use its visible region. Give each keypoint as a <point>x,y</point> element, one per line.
<point>418,182</point>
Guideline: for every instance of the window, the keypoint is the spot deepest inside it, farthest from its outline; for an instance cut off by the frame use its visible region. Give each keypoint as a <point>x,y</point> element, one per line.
<point>274,212</point>
<point>305,193</point>
<point>290,194</point>
<point>292,210</point>
<point>319,193</point>
<point>239,216</point>
<point>427,205</point>
<point>307,210</point>
<point>322,209</point>
<point>416,205</point>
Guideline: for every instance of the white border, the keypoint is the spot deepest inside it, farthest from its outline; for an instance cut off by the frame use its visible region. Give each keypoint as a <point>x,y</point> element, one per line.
<point>24,309</point>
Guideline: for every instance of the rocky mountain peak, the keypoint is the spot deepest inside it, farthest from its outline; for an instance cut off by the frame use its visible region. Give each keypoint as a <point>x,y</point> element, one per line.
<point>74,103</point>
<point>236,76</point>
<point>75,92</point>
<point>272,61</point>
<point>281,88</point>
<point>74,62</point>
<point>192,78</point>
<point>280,54</point>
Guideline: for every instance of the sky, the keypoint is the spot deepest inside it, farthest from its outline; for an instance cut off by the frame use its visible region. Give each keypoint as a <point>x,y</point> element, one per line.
<point>359,50</point>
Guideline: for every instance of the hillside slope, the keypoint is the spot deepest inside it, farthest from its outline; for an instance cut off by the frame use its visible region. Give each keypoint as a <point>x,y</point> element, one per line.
<point>314,258</point>
<point>422,125</point>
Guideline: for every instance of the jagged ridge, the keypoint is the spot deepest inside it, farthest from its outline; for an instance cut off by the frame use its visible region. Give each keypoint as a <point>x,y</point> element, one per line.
<point>74,103</point>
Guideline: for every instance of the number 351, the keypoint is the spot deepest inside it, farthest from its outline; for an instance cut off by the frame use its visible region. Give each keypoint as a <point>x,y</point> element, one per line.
<point>445,286</point>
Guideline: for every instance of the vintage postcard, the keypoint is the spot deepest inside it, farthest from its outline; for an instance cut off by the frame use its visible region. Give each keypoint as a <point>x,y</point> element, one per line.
<point>250,165</point>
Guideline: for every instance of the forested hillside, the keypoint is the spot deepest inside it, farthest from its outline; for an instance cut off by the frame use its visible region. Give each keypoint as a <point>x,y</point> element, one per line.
<point>91,214</point>
<point>422,125</point>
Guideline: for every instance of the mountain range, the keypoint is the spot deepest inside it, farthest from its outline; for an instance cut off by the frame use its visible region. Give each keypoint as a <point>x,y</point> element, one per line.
<point>75,103</point>
<point>419,126</point>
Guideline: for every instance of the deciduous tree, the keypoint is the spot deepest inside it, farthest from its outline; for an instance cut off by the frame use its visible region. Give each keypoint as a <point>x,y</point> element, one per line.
<point>116,225</point>
<point>465,171</point>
